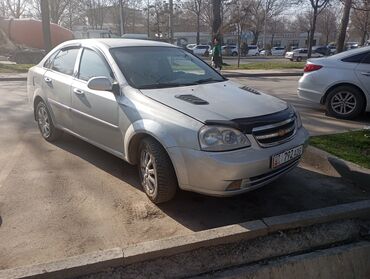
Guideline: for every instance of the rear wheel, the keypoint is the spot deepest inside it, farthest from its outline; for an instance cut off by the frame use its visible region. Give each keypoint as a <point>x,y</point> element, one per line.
<point>299,59</point>
<point>234,53</point>
<point>345,102</point>
<point>45,123</point>
<point>157,174</point>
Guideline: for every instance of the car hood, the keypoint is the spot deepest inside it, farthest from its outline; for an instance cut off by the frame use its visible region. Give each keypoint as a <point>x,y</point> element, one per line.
<point>217,101</point>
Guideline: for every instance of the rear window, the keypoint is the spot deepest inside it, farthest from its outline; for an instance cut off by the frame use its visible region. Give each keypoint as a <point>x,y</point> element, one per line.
<point>252,47</point>
<point>356,58</point>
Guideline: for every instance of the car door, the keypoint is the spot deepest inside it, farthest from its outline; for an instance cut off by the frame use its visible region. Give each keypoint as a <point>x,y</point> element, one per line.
<point>95,113</point>
<point>57,82</point>
<point>363,72</point>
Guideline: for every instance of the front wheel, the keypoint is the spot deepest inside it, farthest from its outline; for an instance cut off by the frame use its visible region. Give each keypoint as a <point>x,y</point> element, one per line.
<point>157,174</point>
<point>46,126</point>
<point>345,102</point>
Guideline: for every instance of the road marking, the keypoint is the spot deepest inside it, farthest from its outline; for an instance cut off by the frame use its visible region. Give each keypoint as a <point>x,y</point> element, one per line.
<point>4,173</point>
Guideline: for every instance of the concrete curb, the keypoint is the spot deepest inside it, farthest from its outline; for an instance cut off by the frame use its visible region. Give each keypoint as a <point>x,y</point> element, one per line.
<point>13,79</point>
<point>90,263</point>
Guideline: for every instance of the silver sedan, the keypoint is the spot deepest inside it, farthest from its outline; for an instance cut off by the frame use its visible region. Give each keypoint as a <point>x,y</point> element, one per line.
<point>164,109</point>
<point>341,82</point>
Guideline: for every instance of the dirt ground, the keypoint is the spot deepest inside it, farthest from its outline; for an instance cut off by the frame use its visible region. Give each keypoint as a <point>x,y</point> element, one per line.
<point>69,198</point>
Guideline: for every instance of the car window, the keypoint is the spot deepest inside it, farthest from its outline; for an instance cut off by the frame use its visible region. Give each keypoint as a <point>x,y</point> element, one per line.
<point>64,62</point>
<point>252,47</point>
<point>356,58</point>
<point>366,60</point>
<point>93,65</point>
<point>164,67</point>
<point>48,63</point>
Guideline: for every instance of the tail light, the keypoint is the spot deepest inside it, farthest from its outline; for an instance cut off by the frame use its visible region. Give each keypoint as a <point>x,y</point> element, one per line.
<point>311,68</point>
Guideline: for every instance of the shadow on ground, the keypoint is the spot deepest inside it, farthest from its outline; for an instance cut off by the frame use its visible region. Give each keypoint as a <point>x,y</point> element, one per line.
<point>299,190</point>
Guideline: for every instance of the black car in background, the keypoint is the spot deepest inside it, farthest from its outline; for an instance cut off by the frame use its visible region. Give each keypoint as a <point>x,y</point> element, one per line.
<point>324,50</point>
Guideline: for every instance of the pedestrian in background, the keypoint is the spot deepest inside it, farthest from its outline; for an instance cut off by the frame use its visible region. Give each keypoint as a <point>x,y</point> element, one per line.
<point>216,55</point>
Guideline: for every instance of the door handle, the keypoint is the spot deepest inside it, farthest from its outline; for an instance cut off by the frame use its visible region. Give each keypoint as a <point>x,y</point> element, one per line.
<point>49,81</point>
<point>366,73</point>
<point>78,91</point>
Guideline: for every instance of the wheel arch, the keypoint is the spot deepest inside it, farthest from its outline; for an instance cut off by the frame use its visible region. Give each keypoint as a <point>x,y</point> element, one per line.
<point>323,99</point>
<point>138,131</point>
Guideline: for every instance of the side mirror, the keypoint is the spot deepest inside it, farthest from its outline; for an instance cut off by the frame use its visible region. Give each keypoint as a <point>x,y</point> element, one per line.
<point>100,83</point>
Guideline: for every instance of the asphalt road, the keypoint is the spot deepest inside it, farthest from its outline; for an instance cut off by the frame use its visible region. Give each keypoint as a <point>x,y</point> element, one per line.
<point>313,115</point>
<point>69,197</point>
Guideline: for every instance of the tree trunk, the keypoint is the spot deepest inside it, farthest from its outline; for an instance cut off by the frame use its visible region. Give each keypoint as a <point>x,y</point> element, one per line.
<point>343,26</point>
<point>366,25</point>
<point>46,24</point>
<point>312,33</point>
<point>256,35</point>
<point>198,28</point>
<point>216,24</point>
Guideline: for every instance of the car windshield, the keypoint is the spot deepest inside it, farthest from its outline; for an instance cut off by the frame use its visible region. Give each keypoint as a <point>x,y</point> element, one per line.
<point>160,67</point>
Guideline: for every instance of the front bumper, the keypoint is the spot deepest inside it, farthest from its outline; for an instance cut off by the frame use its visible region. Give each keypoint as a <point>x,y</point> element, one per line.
<point>211,173</point>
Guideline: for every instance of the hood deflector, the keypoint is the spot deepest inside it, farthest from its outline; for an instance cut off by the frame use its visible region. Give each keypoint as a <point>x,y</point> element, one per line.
<point>192,99</point>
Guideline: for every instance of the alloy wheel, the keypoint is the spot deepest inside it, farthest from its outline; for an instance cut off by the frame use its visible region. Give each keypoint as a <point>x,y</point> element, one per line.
<point>148,172</point>
<point>43,121</point>
<point>343,103</point>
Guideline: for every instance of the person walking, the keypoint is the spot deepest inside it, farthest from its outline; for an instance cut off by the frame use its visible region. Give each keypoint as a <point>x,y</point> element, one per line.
<point>216,55</point>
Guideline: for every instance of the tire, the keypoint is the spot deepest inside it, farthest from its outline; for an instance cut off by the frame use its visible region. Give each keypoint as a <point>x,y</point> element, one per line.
<point>345,102</point>
<point>234,53</point>
<point>45,123</point>
<point>156,172</point>
<point>299,59</point>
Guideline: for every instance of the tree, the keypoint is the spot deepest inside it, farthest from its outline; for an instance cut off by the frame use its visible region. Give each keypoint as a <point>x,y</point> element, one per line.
<point>16,8</point>
<point>216,24</point>
<point>361,20</point>
<point>327,24</point>
<point>317,7</point>
<point>344,25</point>
<point>195,6</point>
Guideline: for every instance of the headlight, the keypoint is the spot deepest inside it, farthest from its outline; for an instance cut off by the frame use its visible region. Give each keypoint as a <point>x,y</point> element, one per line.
<point>215,138</point>
<point>298,118</point>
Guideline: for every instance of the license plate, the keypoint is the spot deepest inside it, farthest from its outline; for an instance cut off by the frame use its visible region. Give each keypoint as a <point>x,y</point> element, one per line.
<point>286,156</point>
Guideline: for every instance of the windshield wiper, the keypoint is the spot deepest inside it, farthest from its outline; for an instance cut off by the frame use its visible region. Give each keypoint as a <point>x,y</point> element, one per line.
<point>206,80</point>
<point>161,85</point>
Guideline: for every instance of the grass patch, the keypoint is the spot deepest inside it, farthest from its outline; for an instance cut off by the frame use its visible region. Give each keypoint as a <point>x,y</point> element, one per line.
<point>273,65</point>
<point>14,68</point>
<point>351,146</point>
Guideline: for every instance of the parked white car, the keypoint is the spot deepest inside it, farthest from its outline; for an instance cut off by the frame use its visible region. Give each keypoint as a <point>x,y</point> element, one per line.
<point>201,50</point>
<point>341,82</point>
<point>253,50</point>
<point>278,51</point>
<point>159,107</point>
<point>300,54</point>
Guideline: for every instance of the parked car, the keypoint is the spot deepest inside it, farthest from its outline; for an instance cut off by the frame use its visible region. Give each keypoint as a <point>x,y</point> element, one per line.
<point>351,45</point>
<point>300,54</point>
<point>253,50</point>
<point>265,52</point>
<point>178,119</point>
<point>340,82</point>
<point>201,50</point>
<point>278,51</point>
<point>333,49</point>
<point>229,50</point>
<point>191,46</point>
<point>324,50</point>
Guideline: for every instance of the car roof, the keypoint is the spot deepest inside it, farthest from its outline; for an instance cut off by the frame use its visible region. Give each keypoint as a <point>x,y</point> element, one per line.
<point>351,52</point>
<point>118,42</point>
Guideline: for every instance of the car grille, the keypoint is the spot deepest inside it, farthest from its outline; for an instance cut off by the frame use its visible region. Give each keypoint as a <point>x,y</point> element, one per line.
<point>274,134</point>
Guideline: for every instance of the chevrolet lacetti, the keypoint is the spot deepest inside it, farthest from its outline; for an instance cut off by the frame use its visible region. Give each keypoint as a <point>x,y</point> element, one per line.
<point>161,108</point>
